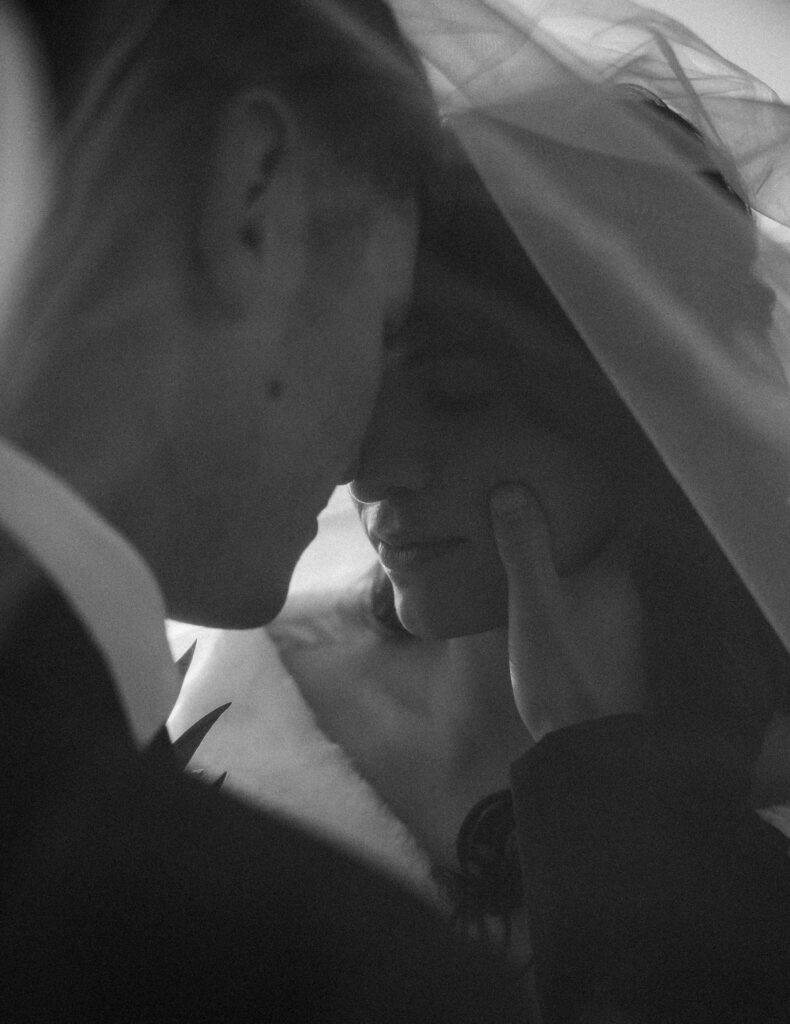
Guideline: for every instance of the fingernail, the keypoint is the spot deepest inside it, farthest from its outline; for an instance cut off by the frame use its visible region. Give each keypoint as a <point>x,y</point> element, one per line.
<point>509,502</point>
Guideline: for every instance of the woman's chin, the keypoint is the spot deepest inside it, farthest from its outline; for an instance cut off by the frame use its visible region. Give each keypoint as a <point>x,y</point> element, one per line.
<point>441,620</point>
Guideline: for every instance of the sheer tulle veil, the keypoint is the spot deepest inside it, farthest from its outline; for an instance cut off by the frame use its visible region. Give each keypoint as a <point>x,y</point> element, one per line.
<point>682,300</point>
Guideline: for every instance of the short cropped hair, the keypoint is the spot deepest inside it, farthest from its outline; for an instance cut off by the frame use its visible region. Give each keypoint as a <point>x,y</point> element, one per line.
<point>342,64</point>
<point>142,86</point>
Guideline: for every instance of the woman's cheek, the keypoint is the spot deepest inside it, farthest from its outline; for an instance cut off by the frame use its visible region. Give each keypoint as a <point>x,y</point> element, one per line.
<point>574,490</point>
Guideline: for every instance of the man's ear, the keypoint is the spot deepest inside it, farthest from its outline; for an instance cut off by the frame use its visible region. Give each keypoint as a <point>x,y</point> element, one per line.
<point>254,200</point>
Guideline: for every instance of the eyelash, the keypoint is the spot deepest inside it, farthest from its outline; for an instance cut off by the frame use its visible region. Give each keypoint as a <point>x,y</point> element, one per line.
<point>452,404</point>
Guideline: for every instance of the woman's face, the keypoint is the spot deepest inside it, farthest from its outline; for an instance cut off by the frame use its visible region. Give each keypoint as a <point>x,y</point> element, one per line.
<point>480,395</point>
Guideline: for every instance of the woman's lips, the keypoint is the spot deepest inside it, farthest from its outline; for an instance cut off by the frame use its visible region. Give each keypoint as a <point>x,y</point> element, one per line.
<point>399,555</point>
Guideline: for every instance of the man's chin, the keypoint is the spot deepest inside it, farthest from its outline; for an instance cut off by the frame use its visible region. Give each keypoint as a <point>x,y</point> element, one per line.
<point>248,610</point>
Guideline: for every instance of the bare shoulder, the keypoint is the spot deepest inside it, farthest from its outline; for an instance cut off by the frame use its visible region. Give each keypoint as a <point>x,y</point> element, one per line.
<point>360,679</point>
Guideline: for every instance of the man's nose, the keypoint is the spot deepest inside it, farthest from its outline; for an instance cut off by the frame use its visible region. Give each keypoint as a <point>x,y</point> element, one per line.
<point>351,471</point>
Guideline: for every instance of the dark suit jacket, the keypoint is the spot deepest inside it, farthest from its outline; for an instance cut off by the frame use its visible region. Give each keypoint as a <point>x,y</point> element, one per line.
<point>131,892</point>
<point>656,895</point>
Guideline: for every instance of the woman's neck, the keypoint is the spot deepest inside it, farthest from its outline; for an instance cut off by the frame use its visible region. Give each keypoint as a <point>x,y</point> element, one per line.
<point>470,702</point>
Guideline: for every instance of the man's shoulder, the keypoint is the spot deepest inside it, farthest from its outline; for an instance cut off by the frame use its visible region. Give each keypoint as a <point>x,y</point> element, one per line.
<point>142,891</point>
<point>132,892</point>
<point>49,666</point>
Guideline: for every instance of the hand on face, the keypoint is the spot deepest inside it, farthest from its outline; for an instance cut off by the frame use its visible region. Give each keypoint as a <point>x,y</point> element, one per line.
<point>573,640</point>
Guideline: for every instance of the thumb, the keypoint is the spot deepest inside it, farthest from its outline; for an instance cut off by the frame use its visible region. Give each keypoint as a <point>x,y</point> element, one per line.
<point>536,609</point>
<point>537,632</point>
<point>522,536</point>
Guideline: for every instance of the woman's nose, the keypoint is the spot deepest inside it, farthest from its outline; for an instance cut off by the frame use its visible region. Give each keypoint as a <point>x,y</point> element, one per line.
<point>395,450</point>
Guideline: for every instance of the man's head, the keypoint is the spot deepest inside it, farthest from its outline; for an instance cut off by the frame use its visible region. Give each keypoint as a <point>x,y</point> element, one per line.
<point>233,239</point>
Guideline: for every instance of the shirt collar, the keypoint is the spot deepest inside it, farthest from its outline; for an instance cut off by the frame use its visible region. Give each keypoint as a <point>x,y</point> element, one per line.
<point>107,583</point>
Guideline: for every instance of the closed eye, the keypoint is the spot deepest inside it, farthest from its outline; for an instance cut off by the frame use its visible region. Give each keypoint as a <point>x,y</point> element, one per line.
<point>458,386</point>
<point>465,387</point>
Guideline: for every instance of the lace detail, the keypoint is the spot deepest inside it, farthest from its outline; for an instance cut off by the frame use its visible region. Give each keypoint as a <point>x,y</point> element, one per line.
<point>487,887</point>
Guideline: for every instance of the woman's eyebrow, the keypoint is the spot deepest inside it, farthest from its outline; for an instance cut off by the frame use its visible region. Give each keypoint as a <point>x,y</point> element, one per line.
<point>418,356</point>
<point>495,357</point>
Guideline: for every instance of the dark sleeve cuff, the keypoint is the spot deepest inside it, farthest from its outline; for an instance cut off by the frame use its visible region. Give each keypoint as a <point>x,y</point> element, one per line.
<point>651,886</point>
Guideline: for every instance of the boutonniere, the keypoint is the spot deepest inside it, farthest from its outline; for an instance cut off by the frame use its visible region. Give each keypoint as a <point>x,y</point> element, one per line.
<point>183,748</point>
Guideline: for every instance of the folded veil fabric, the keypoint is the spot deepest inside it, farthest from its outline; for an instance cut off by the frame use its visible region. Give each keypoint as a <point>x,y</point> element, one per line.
<point>24,165</point>
<point>683,306</point>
